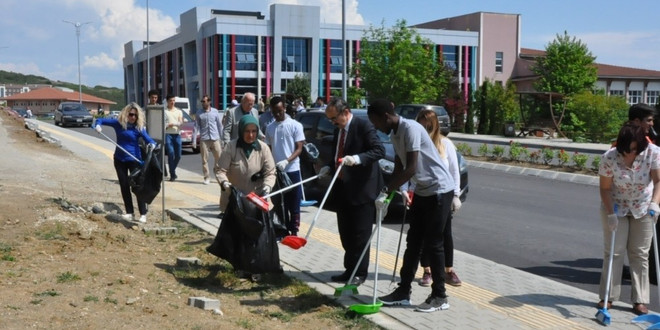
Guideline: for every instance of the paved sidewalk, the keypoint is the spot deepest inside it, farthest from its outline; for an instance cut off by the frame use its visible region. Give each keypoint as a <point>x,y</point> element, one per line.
<point>493,296</point>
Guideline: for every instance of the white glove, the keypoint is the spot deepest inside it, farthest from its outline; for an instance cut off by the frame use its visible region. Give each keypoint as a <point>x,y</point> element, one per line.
<point>654,211</point>
<point>612,221</point>
<point>265,191</point>
<point>456,204</point>
<point>98,128</point>
<point>407,198</point>
<point>225,185</point>
<point>325,170</point>
<point>349,161</point>
<point>281,165</point>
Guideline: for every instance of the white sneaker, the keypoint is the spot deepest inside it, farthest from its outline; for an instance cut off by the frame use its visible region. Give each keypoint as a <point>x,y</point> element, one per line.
<point>127,217</point>
<point>143,218</point>
<point>207,181</point>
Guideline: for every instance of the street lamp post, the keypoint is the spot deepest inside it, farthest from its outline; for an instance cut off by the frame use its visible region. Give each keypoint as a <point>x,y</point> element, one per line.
<point>78,25</point>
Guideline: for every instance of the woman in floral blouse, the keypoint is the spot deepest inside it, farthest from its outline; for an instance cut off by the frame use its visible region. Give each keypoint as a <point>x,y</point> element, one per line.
<point>630,192</point>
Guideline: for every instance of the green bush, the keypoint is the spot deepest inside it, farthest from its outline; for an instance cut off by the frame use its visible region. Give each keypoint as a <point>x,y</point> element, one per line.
<point>517,151</point>
<point>595,163</point>
<point>464,149</point>
<point>483,150</point>
<point>580,160</point>
<point>562,157</point>
<point>547,155</point>
<point>534,156</point>
<point>498,151</point>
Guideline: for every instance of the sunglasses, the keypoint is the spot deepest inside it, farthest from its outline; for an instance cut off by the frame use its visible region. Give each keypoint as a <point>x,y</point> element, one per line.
<point>131,114</point>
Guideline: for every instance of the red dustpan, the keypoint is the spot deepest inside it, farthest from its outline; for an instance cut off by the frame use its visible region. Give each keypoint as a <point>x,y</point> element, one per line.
<point>262,201</point>
<point>296,242</point>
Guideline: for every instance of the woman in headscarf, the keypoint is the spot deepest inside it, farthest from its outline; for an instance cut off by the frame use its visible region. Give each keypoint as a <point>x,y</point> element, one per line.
<point>246,163</point>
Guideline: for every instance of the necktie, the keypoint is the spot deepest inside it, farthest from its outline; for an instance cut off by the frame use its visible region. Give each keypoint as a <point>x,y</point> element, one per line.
<point>340,147</point>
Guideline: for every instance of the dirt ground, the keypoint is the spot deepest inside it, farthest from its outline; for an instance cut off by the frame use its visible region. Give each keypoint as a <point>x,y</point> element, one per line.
<point>65,267</point>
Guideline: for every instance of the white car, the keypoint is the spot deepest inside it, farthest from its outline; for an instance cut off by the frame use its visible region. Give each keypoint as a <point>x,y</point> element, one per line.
<point>114,114</point>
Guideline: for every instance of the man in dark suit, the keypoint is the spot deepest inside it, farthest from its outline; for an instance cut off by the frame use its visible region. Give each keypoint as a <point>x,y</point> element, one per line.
<point>353,194</point>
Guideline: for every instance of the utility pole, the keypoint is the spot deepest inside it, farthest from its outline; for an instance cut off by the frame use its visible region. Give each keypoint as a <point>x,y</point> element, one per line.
<point>78,25</point>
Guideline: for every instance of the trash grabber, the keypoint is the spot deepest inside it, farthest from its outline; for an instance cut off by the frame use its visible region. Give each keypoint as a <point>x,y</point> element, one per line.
<point>353,287</point>
<point>120,147</point>
<point>262,201</point>
<point>398,247</point>
<point>296,242</point>
<point>603,315</point>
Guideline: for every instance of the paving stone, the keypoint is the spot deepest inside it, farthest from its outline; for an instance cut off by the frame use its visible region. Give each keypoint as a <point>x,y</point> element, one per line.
<point>204,303</point>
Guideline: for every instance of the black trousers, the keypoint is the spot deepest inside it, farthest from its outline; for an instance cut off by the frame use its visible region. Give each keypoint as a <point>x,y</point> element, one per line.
<point>123,169</point>
<point>355,225</point>
<point>428,217</point>
<point>448,244</point>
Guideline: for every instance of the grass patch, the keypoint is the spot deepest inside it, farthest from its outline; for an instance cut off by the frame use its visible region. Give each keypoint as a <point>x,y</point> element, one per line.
<point>7,257</point>
<point>5,252</point>
<point>91,298</point>
<point>36,301</point>
<point>47,293</point>
<point>67,277</point>
<point>110,300</point>
<point>53,232</point>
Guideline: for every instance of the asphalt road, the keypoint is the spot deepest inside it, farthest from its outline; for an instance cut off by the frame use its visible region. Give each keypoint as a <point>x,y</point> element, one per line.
<point>549,228</point>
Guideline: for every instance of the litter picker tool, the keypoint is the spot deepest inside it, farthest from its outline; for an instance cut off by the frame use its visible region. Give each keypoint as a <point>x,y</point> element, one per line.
<point>375,306</point>
<point>654,319</point>
<point>304,202</point>
<point>262,201</point>
<point>398,247</point>
<point>296,242</point>
<point>352,287</point>
<point>603,315</point>
<point>120,147</point>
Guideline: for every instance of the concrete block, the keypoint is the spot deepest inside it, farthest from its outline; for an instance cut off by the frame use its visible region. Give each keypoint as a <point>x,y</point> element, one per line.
<point>187,261</point>
<point>204,303</point>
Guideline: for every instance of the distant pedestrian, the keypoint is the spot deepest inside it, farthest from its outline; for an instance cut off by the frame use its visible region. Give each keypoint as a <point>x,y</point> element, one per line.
<point>233,116</point>
<point>173,122</point>
<point>286,139</point>
<point>208,122</point>
<point>153,97</point>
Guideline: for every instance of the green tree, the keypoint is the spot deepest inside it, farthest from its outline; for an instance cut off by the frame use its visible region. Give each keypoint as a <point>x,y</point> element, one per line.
<point>567,68</point>
<point>400,65</point>
<point>300,86</point>
<point>496,105</point>
<point>594,117</point>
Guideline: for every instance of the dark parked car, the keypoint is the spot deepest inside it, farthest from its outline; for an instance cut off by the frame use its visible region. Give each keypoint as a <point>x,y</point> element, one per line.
<point>319,130</point>
<point>187,133</point>
<point>410,111</point>
<point>72,114</point>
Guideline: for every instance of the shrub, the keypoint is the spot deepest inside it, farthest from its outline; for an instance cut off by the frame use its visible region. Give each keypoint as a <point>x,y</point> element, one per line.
<point>516,151</point>
<point>547,155</point>
<point>580,160</point>
<point>562,157</point>
<point>595,163</point>
<point>534,156</point>
<point>464,149</point>
<point>483,150</point>
<point>498,151</point>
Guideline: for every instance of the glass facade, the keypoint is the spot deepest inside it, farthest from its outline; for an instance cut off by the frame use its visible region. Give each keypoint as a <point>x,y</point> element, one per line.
<point>295,55</point>
<point>450,56</point>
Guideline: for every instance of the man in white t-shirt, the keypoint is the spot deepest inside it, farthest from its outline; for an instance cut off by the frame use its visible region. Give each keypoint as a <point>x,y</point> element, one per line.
<point>286,139</point>
<point>173,122</point>
<point>417,160</point>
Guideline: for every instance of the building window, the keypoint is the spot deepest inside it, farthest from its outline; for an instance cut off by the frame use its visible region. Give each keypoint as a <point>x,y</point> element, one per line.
<point>616,92</point>
<point>246,53</point>
<point>652,97</point>
<point>450,56</point>
<point>295,55</point>
<point>634,96</point>
<point>499,60</point>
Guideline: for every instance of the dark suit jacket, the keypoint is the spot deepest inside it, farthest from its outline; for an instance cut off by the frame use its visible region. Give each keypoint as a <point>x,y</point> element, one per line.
<point>361,183</point>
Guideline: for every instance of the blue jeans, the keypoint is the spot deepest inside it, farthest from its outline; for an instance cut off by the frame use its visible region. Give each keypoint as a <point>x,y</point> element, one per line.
<point>173,145</point>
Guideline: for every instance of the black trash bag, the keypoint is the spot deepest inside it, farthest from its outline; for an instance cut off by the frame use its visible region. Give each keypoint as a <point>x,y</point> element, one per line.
<point>256,254</point>
<point>277,214</point>
<point>146,180</point>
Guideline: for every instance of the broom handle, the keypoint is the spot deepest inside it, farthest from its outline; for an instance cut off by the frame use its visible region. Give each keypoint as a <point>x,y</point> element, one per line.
<point>325,197</point>
<point>655,253</point>
<point>609,269</point>
<point>290,187</point>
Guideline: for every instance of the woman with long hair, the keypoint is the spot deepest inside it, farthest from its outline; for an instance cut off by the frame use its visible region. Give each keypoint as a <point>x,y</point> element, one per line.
<point>447,151</point>
<point>129,127</point>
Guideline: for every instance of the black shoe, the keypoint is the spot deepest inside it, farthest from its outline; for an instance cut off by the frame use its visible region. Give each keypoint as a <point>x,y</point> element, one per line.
<point>343,277</point>
<point>221,215</point>
<point>358,280</point>
<point>174,177</point>
<point>400,296</point>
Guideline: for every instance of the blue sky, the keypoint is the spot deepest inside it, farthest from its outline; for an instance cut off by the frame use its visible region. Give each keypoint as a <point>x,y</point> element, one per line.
<point>35,40</point>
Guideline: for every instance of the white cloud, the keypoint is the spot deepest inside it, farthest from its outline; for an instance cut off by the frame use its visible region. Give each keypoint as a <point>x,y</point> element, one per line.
<point>102,61</point>
<point>24,68</point>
